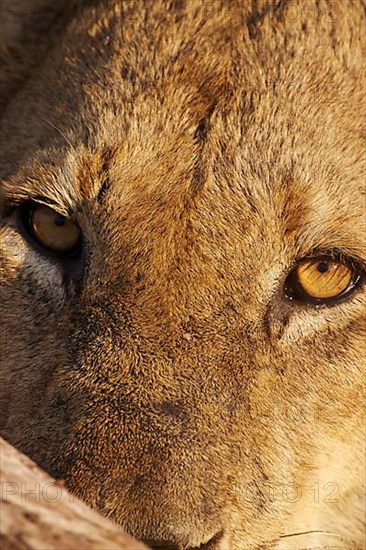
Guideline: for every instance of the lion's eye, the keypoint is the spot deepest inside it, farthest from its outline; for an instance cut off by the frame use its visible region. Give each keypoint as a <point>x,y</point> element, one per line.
<point>321,280</point>
<point>50,230</point>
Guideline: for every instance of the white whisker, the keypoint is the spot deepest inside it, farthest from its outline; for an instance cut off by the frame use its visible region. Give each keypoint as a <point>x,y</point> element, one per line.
<point>60,132</point>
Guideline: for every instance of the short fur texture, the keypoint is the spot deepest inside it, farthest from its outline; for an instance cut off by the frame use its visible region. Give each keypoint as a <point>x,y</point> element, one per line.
<point>204,148</point>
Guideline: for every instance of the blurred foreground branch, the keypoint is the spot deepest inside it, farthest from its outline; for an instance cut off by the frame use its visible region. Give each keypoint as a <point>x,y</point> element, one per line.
<point>38,513</point>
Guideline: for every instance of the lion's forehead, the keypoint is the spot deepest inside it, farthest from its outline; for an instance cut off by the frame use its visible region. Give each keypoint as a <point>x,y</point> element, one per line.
<point>200,89</point>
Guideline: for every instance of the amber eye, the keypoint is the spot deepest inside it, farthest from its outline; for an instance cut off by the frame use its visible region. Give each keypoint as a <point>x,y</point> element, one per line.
<point>321,280</point>
<point>50,230</point>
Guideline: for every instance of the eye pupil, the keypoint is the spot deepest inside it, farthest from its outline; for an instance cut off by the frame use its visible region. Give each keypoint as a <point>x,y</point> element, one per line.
<point>60,220</point>
<point>323,267</point>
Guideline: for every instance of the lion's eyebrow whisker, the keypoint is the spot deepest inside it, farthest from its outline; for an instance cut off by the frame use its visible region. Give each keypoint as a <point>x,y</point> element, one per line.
<point>273,543</point>
<point>316,532</point>
<point>60,132</point>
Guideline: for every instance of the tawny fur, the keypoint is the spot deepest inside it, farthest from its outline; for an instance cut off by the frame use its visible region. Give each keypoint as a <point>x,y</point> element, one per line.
<point>203,147</point>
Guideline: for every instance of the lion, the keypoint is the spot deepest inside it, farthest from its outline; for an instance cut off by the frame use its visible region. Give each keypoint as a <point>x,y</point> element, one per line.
<point>183,264</point>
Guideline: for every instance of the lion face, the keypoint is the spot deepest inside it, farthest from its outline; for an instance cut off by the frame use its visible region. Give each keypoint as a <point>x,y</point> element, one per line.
<point>182,265</point>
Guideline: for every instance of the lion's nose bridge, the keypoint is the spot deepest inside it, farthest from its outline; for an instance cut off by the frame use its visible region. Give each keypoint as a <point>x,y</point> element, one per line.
<point>183,509</point>
<point>160,415</point>
<point>131,314</point>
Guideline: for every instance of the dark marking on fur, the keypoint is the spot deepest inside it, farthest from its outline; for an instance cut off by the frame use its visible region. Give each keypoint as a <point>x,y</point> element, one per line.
<point>200,138</point>
<point>128,73</point>
<point>174,409</point>
<point>106,183</point>
<point>273,7</point>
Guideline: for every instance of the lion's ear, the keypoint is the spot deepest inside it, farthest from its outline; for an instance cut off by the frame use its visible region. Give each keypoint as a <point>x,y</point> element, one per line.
<point>26,31</point>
